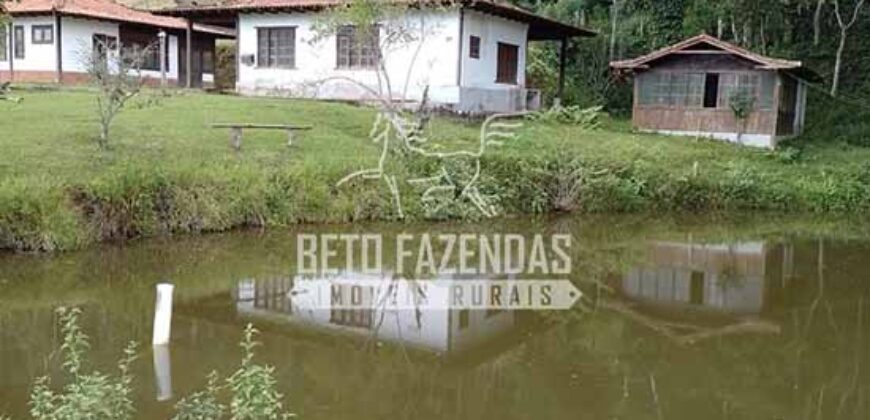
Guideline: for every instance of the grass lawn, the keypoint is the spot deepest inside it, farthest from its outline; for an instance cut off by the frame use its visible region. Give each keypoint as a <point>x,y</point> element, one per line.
<point>51,165</point>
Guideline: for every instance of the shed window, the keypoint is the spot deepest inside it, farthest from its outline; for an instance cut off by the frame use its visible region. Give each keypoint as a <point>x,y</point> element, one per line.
<point>42,34</point>
<point>474,47</point>
<point>672,89</point>
<point>3,44</point>
<point>732,85</point>
<point>357,49</point>
<point>18,42</point>
<point>276,47</point>
<point>508,63</point>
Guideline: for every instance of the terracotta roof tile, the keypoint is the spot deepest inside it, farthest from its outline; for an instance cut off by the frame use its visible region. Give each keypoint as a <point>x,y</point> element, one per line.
<point>98,9</point>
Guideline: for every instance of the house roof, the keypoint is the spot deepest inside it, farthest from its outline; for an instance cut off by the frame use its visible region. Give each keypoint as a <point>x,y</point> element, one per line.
<point>717,44</point>
<point>540,27</point>
<point>106,10</point>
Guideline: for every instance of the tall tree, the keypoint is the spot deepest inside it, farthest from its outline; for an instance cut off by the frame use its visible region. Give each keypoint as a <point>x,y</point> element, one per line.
<point>817,22</point>
<point>614,22</point>
<point>844,25</point>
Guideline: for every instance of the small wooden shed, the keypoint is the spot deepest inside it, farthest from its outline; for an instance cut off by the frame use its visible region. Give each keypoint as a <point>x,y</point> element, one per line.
<point>707,87</point>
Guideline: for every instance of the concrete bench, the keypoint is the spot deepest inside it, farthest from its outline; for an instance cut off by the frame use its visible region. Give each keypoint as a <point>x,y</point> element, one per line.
<point>236,131</point>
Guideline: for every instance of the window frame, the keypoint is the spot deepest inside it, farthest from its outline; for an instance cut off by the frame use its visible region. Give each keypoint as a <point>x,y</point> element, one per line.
<point>4,42</point>
<point>724,87</point>
<point>358,58</point>
<point>474,47</point>
<point>503,75</point>
<point>19,49</point>
<point>266,61</point>
<point>42,30</point>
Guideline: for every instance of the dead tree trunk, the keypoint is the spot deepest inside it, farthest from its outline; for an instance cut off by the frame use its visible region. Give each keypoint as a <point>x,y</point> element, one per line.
<point>817,22</point>
<point>844,32</point>
<point>614,17</point>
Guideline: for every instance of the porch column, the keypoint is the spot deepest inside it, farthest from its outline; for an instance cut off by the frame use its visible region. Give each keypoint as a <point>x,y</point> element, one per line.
<point>10,37</point>
<point>563,51</point>
<point>58,39</point>
<point>162,45</point>
<point>188,58</point>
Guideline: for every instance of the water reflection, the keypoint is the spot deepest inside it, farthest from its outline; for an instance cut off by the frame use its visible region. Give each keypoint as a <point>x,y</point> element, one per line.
<point>439,330</point>
<point>726,278</point>
<point>683,324</point>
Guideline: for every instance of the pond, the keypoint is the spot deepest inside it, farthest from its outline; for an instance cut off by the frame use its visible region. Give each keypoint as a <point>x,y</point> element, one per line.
<point>750,317</point>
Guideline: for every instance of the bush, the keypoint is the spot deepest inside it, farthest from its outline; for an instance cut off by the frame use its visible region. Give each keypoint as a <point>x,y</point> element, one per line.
<point>88,395</point>
<point>252,392</point>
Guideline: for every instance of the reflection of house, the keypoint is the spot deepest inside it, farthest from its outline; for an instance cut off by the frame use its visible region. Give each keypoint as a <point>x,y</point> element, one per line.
<point>724,278</point>
<point>435,327</point>
<point>690,292</point>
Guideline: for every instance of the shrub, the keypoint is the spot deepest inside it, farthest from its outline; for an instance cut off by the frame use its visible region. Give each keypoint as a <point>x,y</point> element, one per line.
<point>88,395</point>
<point>252,391</point>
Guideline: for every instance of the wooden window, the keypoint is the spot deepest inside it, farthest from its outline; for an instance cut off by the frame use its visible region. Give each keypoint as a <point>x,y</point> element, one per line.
<point>42,34</point>
<point>733,84</point>
<point>474,47</point>
<point>276,47</point>
<point>508,63</point>
<point>357,49</point>
<point>671,89</point>
<point>18,42</point>
<point>3,44</point>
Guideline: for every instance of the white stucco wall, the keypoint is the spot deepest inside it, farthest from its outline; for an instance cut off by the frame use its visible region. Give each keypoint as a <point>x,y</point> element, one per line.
<point>78,36</point>
<point>481,72</point>
<point>39,57</point>
<point>435,64</point>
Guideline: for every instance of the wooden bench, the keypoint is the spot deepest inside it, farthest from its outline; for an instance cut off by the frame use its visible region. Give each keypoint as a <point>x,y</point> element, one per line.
<point>236,131</point>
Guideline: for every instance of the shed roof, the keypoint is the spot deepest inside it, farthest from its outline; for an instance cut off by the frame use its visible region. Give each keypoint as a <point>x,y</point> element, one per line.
<point>106,10</point>
<point>540,27</point>
<point>716,44</point>
<point>690,46</point>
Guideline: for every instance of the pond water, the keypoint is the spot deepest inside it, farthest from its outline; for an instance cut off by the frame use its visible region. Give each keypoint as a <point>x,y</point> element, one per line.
<point>751,317</point>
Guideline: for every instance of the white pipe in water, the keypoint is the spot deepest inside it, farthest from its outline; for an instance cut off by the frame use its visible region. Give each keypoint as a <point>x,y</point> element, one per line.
<point>163,372</point>
<point>163,314</point>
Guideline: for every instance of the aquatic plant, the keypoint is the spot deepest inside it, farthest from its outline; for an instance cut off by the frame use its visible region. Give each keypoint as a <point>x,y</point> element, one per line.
<point>252,389</point>
<point>88,394</point>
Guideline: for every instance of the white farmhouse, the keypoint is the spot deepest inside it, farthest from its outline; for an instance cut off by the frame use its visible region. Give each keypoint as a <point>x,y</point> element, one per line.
<point>471,55</point>
<point>48,41</point>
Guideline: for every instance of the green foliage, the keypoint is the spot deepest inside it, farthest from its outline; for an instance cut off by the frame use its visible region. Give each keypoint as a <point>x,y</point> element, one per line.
<point>225,66</point>
<point>583,118</point>
<point>252,386</point>
<point>252,389</point>
<point>742,104</point>
<point>86,394</point>
<point>202,405</point>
